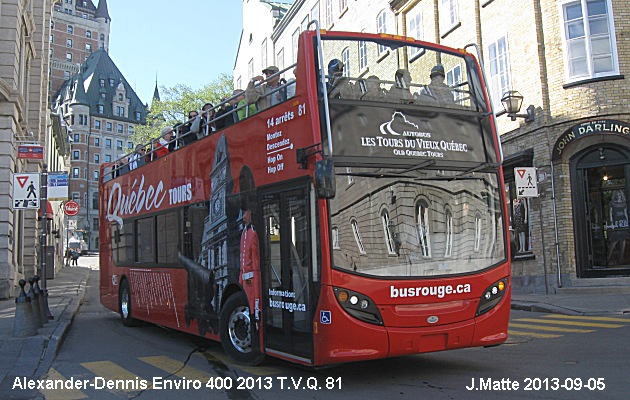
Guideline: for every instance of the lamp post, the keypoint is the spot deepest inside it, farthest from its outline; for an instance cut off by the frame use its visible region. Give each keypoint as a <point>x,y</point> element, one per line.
<point>512,102</point>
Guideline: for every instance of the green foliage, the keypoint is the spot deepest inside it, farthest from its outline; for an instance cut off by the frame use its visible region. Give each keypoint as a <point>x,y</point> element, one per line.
<point>177,101</point>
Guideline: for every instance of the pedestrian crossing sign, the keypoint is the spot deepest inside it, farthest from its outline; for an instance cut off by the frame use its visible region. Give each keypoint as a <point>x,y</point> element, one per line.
<point>25,191</point>
<point>526,182</point>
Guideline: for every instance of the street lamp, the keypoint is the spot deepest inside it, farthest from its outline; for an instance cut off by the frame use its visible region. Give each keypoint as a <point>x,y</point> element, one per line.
<point>512,101</point>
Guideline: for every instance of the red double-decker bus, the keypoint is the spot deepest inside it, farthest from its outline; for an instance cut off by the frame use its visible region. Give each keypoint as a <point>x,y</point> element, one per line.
<point>359,216</point>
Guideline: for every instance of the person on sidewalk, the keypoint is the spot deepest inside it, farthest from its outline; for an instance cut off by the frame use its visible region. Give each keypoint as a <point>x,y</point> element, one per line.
<point>75,258</point>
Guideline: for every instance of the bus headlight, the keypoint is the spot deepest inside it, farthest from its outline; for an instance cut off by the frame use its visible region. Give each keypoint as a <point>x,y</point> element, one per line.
<point>359,306</point>
<point>491,296</point>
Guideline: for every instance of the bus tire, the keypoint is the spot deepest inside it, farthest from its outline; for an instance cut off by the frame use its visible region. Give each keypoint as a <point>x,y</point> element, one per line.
<point>124,304</point>
<point>236,332</point>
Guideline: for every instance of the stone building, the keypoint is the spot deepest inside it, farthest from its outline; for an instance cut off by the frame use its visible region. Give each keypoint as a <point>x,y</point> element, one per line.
<point>26,119</point>
<point>78,28</point>
<point>102,110</point>
<point>567,60</point>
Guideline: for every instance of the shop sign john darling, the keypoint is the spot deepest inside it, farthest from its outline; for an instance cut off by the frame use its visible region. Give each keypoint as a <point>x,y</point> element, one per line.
<point>604,126</point>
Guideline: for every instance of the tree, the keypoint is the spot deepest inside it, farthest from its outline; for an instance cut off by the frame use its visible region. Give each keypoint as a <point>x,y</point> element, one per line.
<point>176,102</point>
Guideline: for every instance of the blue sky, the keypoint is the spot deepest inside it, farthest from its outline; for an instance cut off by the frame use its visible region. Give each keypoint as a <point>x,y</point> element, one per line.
<point>188,41</point>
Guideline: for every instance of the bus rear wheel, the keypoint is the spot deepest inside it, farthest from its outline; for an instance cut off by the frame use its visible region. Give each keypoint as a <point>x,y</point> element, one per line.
<point>124,304</point>
<point>236,331</point>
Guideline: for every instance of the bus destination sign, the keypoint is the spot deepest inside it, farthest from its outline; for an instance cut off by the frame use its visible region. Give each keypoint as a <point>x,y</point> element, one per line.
<point>408,135</point>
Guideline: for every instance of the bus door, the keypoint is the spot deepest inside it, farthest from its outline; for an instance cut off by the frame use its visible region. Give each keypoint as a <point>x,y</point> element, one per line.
<point>286,244</point>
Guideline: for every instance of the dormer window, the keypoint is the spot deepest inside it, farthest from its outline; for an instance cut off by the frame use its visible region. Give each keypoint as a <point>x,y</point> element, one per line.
<point>120,97</point>
<point>111,82</point>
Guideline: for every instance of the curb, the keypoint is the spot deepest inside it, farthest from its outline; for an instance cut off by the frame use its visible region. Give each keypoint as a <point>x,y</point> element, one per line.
<point>544,307</point>
<point>53,344</point>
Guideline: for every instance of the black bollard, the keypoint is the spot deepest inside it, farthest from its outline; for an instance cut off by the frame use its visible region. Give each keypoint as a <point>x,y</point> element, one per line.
<point>34,296</point>
<point>24,322</point>
<point>43,302</point>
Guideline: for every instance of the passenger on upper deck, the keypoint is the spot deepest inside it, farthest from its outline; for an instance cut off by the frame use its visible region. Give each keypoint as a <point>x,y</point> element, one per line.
<point>161,146</point>
<point>338,86</point>
<point>261,94</point>
<point>137,158</point>
<point>223,118</point>
<point>244,110</point>
<point>400,92</point>
<point>372,90</point>
<point>203,124</point>
<point>185,136</point>
<point>437,89</point>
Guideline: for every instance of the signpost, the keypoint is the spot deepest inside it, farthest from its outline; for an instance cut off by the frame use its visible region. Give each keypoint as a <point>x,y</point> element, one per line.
<point>526,180</point>
<point>26,191</point>
<point>57,186</point>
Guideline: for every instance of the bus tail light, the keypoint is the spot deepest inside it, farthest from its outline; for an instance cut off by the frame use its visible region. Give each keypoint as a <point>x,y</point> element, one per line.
<point>359,306</point>
<point>491,296</point>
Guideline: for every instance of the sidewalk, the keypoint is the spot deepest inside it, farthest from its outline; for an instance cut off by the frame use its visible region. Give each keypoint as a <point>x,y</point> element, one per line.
<point>592,303</point>
<point>32,356</point>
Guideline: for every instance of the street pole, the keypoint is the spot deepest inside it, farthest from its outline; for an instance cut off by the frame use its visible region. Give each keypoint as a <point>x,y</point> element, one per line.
<point>43,206</point>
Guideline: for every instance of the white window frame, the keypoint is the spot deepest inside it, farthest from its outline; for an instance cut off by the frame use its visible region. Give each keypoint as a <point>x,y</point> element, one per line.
<point>294,39</point>
<point>363,56</point>
<point>423,227</point>
<point>415,31</point>
<point>345,58</point>
<point>453,78</point>
<point>387,233</point>
<point>280,59</point>
<point>588,39</point>
<point>448,231</point>
<point>449,15</point>
<point>329,13</point>
<point>315,12</point>
<point>499,70</point>
<point>357,235</point>
<point>478,229</point>
<point>263,57</point>
<point>381,27</point>
<point>75,172</point>
<point>335,237</point>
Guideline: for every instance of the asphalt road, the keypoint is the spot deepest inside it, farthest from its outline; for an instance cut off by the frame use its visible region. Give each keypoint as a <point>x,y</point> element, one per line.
<point>548,357</point>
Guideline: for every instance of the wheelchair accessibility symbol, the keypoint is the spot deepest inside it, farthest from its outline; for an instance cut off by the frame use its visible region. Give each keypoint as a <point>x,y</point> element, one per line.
<point>324,317</point>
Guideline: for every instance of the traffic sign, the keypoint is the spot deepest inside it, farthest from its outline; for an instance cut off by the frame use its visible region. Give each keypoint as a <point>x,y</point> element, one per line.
<point>25,191</point>
<point>526,182</point>
<point>57,186</point>
<point>71,208</point>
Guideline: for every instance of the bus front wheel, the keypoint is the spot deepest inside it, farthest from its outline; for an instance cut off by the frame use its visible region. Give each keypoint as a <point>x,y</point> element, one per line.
<point>124,304</point>
<point>236,331</point>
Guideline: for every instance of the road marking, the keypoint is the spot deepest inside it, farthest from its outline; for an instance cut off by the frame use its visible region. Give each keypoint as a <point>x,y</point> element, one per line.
<point>110,371</point>
<point>532,334</point>
<point>572,323</point>
<point>214,356</point>
<point>550,328</point>
<point>587,318</point>
<point>177,368</point>
<point>62,394</point>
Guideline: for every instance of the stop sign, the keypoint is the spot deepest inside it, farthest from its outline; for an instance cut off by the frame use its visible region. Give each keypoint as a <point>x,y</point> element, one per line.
<point>71,208</point>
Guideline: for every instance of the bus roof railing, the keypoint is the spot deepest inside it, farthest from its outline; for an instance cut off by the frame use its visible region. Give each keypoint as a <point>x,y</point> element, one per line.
<point>121,164</point>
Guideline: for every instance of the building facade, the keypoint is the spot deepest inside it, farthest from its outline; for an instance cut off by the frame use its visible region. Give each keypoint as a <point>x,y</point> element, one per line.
<point>568,60</point>
<point>78,28</point>
<point>26,119</point>
<point>101,110</point>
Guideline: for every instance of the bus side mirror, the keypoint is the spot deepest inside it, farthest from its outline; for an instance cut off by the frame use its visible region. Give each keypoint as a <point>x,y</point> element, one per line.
<point>325,179</point>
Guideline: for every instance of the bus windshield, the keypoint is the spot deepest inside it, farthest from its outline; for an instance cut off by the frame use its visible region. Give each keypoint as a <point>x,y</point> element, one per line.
<point>394,72</point>
<point>416,223</point>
